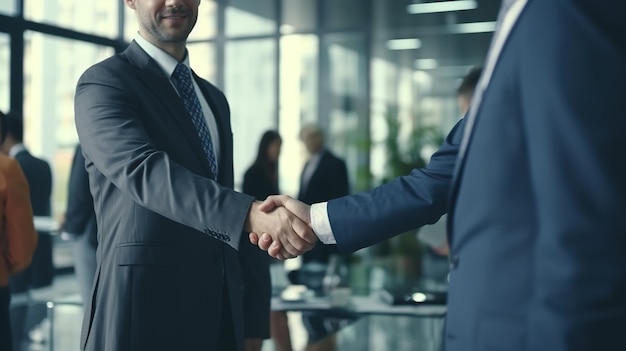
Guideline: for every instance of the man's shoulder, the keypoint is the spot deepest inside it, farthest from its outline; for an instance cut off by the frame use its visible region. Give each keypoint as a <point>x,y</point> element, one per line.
<point>111,64</point>
<point>26,159</point>
<point>333,158</point>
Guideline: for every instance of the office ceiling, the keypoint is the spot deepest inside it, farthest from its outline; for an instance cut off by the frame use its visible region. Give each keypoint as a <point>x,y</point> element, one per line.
<point>445,36</point>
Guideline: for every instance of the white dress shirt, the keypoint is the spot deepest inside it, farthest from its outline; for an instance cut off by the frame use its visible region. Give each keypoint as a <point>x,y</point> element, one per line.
<point>16,149</point>
<point>168,64</point>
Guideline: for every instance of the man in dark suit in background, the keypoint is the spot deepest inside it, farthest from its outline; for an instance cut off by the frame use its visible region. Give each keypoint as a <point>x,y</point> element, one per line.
<point>324,177</point>
<point>536,227</point>
<point>172,271</point>
<point>18,238</point>
<point>80,224</point>
<point>41,271</point>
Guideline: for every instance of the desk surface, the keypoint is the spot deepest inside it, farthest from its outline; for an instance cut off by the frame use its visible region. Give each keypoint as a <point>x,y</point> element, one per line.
<point>360,305</point>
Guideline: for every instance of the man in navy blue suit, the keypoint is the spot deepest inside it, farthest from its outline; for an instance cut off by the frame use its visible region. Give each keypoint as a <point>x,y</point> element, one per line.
<point>536,220</point>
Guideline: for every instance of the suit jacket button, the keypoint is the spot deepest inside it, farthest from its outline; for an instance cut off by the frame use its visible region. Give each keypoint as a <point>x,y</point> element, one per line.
<point>218,257</point>
<point>454,261</point>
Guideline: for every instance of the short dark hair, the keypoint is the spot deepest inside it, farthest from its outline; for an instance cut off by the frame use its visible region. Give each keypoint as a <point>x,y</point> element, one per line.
<point>469,82</point>
<point>3,126</point>
<point>15,126</point>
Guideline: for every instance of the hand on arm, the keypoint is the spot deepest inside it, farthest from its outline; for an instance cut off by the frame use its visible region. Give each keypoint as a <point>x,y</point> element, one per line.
<point>267,242</point>
<point>294,234</point>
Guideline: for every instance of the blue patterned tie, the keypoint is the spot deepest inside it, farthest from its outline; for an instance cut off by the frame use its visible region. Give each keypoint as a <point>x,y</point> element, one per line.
<point>182,79</point>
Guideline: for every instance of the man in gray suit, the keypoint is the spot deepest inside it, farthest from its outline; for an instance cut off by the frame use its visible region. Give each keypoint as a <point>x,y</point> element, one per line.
<point>172,271</point>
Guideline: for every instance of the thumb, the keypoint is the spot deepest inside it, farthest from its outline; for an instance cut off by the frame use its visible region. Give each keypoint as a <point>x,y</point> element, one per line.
<point>271,202</point>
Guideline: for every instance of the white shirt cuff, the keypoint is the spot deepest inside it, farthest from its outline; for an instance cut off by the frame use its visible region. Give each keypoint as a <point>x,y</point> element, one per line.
<point>321,223</point>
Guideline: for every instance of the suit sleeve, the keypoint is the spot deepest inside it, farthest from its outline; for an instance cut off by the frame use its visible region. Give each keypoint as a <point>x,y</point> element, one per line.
<point>79,201</point>
<point>407,202</point>
<point>573,100</point>
<point>115,140</point>
<point>20,228</point>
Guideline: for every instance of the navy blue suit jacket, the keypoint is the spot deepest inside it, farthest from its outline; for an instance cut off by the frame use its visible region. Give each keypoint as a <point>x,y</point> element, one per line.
<point>537,226</point>
<point>328,181</point>
<point>40,273</point>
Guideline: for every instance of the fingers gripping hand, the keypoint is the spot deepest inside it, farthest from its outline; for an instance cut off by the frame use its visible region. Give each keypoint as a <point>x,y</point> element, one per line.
<point>299,209</point>
<point>294,235</point>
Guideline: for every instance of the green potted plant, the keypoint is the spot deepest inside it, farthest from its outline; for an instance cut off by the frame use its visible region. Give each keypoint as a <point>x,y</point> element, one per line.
<point>404,250</point>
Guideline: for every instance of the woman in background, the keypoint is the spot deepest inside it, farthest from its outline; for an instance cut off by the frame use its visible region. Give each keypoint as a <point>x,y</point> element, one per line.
<point>260,181</point>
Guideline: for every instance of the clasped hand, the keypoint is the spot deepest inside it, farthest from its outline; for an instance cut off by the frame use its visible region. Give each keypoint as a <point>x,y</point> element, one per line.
<point>281,225</point>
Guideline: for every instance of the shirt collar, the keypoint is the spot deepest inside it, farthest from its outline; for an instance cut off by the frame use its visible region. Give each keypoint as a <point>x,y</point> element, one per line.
<point>16,149</point>
<point>162,58</point>
<point>314,158</point>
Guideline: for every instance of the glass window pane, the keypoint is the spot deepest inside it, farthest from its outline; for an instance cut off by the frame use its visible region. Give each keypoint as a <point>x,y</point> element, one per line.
<point>346,110</point>
<point>345,14</point>
<point>299,16</point>
<point>5,78</point>
<point>96,17</point>
<point>7,7</point>
<point>206,26</point>
<point>250,17</point>
<point>202,60</point>
<point>250,83</point>
<point>298,103</point>
<point>49,130</point>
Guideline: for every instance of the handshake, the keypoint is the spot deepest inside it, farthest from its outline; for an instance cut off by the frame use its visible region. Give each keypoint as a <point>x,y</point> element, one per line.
<point>281,225</point>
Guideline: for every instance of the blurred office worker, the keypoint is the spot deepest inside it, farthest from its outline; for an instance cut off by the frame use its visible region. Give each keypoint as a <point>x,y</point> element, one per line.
<point>18,238</point>
<point>324,177</point>
<point>80,224</point>
<point>41,271</point>
<point>261,180</point>
<point>172,272</point>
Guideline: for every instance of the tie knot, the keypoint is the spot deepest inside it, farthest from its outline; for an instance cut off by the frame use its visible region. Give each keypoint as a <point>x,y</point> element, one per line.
<point>181,74</point>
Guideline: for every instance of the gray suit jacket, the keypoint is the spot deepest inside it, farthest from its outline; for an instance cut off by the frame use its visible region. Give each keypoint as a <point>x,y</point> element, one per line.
<point>169,237</point>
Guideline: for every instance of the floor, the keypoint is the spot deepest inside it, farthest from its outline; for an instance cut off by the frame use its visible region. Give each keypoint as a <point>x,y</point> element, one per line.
<point>365,334</point>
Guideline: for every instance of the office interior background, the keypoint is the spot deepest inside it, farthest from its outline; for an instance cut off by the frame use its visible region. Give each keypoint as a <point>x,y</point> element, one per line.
<point>345,64</point>
<point>351,66</point>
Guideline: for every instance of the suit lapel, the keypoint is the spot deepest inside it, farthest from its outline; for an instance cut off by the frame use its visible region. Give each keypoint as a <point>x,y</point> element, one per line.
<point>509,15</point>
<point>161,87</point>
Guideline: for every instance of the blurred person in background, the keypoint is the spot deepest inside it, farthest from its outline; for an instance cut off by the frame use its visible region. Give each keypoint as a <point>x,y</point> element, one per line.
<point>261,181</point>
<point>324,177</point>
<point>435,235</point>
<point>18,238</point>
<point>41,271</point>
